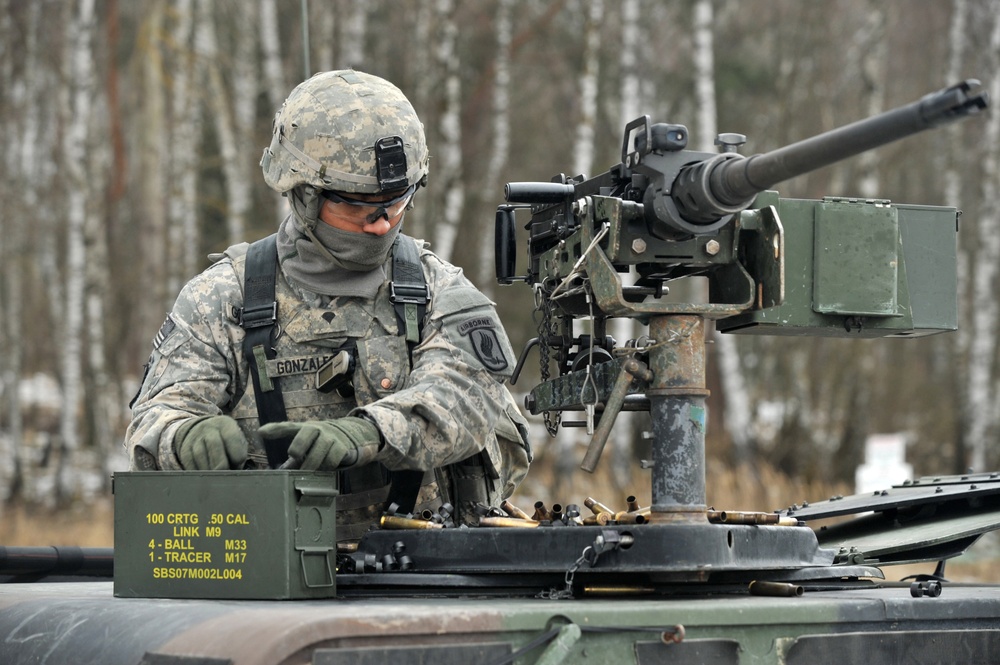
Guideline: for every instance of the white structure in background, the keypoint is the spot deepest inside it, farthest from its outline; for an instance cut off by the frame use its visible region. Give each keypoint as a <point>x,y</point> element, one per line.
<point>885,463</point>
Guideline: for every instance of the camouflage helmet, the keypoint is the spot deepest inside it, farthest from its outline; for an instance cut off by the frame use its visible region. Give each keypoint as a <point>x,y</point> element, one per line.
<point>346,131</point>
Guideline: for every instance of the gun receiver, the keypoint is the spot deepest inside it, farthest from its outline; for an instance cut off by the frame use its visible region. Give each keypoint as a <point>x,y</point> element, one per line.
<point>861,268</point>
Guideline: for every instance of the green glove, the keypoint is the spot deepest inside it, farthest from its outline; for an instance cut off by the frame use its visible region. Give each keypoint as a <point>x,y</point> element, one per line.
<point>327,444</point>
<point>210,442</point>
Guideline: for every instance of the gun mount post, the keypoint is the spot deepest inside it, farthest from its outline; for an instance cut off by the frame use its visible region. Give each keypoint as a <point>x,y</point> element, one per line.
<point>677,406</point>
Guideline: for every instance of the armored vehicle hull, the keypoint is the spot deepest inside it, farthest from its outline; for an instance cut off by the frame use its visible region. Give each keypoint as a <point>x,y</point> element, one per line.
<point>64,623</point>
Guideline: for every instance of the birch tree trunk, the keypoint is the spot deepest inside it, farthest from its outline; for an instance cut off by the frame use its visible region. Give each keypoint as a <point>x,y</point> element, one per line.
<point>624,329</point>
<point>327,36</point>
<point>501,139</point>
<point>154,187</point>
<point>870,50</point>
<point>102,395</point>
<point>450,170</point>
<point>583,150</point>
<point>245,90</point>
<point>274,77</point>
<point>983,398</point>
<point>106,167</point>
<point>737,415</point>
<point>80,77</point>
<point>631,102</point>
<point>873,48</point>
<point>185,130</point>
<point>418,222</point>
<point>230,112</point>
<point>19,161</point>
<point>950,159</point>
<point>352,37</point>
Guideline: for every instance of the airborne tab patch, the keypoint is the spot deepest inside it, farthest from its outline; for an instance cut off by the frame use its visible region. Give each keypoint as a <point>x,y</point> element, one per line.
<point>485,343</point>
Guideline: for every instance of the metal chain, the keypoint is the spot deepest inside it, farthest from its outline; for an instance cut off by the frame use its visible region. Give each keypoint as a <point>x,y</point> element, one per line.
<point>606,541</point>
<point>566,593</point>
<point>545,329</point>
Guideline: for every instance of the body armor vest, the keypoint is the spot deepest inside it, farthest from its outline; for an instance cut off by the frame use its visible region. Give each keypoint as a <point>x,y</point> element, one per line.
<point>302,344</point>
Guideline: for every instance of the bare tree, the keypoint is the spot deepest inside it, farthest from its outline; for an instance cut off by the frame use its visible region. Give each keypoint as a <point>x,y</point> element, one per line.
<point>583,150</point>
<point>501,133</point>
<point>867,57</point>
<point>186,116</point>
<point>949,157</point>
<point>353,32</point>
<point>270,41</point>
<point>418,221</point>
<point>75,146</point>
<point>623,329</point>
<point>102,392</point>
<point>232,110</point>
<point>871,48</point>
<point>11,242</point>
<point>450,171</point>
<point>983,397</point>
<point>154,192</point>
<point>275,82</point>
<point>738,409</point>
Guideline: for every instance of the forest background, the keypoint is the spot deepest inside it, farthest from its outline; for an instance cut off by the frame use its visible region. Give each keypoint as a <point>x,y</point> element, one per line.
<point>134,130</point>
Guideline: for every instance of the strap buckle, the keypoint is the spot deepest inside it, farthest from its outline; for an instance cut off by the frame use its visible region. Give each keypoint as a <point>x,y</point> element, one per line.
<point>258,317</point>
<point>409,294</point>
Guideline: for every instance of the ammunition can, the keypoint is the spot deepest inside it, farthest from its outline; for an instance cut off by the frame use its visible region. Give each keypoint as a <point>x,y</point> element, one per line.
<point>225,534</point>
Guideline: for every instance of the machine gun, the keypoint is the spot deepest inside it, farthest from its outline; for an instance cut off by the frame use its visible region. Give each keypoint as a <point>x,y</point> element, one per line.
<point>838,267</point>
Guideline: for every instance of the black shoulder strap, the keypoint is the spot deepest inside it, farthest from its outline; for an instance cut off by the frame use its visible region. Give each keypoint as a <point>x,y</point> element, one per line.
<point>408,290</point>
<point>409,294</point>
<point>259,319</point>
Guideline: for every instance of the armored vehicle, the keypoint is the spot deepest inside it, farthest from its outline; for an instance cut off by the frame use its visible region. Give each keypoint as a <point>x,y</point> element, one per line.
<point>244,568</point>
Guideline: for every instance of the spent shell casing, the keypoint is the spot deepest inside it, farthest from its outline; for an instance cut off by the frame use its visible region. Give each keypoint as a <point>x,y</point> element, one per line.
<point>599,518</point>
<point>508,522</point>
<point>396,522</point>
<point>596,506</point>
<point>542,513</point>
<point>514,511</point>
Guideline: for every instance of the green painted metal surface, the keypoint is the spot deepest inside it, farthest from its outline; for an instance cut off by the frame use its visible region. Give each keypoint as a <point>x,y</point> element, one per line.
<point>225,534</point>
<point>860,269</point>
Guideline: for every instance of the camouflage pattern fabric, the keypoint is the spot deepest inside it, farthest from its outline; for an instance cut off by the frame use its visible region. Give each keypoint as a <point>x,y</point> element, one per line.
<point>323,134</point>
<point>449,405</point>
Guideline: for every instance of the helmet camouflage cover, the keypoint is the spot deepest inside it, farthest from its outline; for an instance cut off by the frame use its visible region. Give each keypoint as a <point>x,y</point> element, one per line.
<point>346,131</point>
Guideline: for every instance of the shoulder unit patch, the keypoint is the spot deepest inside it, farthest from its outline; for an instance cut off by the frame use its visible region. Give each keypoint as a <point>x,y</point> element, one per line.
<point>485,344</point>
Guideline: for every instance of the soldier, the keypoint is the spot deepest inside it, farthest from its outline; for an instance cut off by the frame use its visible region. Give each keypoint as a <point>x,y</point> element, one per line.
<point>339,342</point>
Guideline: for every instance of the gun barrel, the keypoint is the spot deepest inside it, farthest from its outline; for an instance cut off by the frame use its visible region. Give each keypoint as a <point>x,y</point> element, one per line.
<point>733,181</point>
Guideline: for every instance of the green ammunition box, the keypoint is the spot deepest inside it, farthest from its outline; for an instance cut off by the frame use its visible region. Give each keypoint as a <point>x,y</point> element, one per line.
<point>225,534</point>
<point>859,268</point>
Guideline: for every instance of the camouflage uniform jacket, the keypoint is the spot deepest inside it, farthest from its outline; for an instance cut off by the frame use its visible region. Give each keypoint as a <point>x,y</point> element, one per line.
<point>447,405</point>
